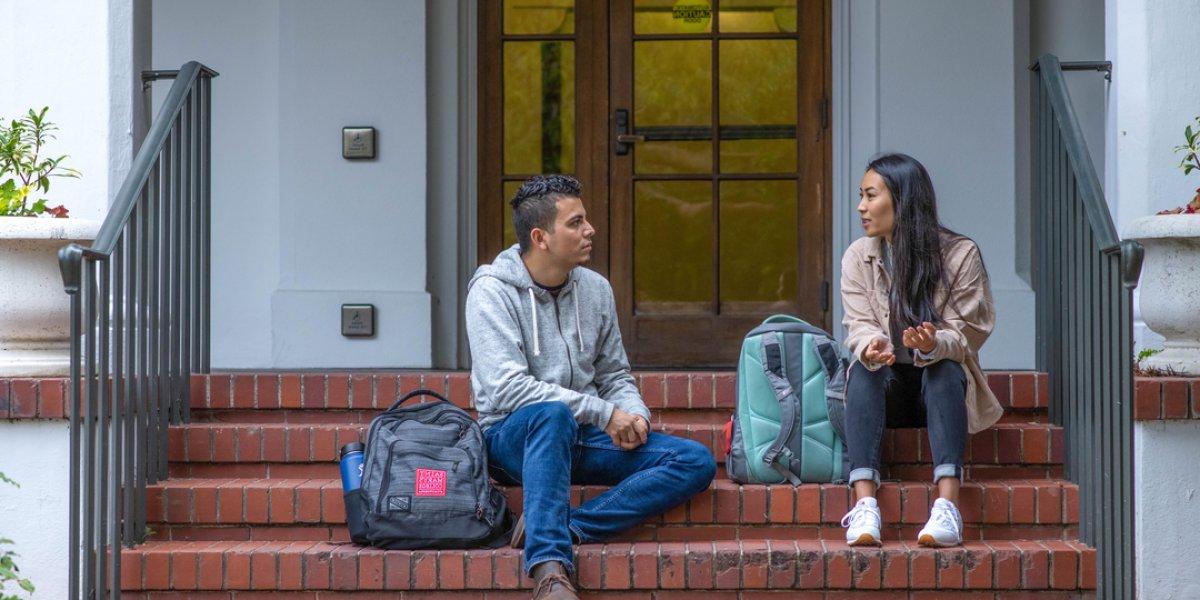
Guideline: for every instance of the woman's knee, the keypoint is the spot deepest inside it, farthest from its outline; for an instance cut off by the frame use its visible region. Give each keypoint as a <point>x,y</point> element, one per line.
<point>946,369</point>
<point>866,390</point>
<point>860,372</point>
<point>944,379</point>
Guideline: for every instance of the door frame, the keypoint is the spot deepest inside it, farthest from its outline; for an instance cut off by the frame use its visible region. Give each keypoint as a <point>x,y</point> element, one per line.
<point>594,143</point>
<point>815,178</point>
<point>591,118</point>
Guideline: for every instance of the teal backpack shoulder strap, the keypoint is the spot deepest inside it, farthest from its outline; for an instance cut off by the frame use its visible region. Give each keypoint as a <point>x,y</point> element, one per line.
<point>778,455</point>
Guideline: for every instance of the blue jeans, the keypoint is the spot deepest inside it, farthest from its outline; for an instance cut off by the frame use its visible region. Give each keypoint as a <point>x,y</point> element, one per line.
<point>904,395</point>
<point>542,448</point>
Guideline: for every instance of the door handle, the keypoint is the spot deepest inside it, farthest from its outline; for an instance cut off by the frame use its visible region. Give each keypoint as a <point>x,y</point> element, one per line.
<point>624,139</point>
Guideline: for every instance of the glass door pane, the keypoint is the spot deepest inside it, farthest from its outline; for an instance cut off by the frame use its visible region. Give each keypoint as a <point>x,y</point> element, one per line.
<point>672,106</point>
<point>539,107</point>
<point>672,231</point>
<point>758,106</point>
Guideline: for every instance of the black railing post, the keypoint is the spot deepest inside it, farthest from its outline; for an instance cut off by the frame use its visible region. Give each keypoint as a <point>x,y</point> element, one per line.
<point>139,330</point>
<point>1084,276</point>
<point>70,260</point>
<point>205,224</point>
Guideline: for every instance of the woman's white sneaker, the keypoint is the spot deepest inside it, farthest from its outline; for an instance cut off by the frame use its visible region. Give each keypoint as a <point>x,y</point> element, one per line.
<point>944,527</point>
<point>862,523</point>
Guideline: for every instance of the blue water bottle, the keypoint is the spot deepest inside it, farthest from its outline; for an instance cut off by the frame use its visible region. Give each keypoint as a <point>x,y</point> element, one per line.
<point>350,459</point>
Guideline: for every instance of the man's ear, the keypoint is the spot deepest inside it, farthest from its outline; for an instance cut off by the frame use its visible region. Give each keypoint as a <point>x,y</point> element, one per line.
<point>537,238</point>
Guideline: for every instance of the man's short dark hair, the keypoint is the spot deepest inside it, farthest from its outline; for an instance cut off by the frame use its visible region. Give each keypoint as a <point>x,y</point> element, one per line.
<point>535,204</point>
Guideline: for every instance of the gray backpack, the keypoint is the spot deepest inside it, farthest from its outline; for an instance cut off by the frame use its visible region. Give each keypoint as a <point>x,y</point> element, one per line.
<point>425,482</point>
<point>788,425</point>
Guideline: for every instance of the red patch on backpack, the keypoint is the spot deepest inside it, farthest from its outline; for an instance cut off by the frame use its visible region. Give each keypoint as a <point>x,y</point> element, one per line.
<point>431,482</point>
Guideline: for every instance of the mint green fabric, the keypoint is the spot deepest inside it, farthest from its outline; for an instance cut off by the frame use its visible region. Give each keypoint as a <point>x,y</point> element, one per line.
<point>758,412</point>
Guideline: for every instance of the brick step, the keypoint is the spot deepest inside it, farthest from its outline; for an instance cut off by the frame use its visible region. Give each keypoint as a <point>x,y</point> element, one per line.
<point>1029,450</point>
<point>265,509</point>
<point>686,390</point>
<point>693,416</point>
<point>626,595</point>
<point>721,565</point>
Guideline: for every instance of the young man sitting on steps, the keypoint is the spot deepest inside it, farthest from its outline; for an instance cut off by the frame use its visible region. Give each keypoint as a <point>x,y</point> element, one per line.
<point>555,397</point>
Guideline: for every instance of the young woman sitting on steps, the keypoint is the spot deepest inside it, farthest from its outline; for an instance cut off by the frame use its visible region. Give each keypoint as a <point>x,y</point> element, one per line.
<point>917,307</point>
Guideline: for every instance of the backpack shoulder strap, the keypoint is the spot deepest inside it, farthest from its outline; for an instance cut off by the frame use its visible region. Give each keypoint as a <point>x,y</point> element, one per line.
<point>778,455</point>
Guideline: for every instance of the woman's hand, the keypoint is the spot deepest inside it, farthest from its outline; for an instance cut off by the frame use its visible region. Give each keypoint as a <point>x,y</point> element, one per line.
<point>922,339</point>
<point>879,351</point>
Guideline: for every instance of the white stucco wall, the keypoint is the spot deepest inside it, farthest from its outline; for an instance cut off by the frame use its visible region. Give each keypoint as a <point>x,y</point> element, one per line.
<point>1167,503</point>
<point>934,79</point>
<point>298,230</point>
<point>88,84</point>
<point>36,455</point>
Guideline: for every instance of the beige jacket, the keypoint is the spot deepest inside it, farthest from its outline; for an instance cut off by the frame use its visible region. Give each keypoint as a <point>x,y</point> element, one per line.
<point>969,315</point>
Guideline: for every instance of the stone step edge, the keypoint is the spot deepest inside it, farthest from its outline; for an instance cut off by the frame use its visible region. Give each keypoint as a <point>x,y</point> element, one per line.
<point>731,565</point>
<point>319,501</point>
<point>1005,443</point>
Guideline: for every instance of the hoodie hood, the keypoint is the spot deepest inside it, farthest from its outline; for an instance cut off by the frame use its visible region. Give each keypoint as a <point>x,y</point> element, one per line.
<point>510,269</point>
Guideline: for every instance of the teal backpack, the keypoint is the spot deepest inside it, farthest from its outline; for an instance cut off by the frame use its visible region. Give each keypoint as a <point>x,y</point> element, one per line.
<point>788,425</point>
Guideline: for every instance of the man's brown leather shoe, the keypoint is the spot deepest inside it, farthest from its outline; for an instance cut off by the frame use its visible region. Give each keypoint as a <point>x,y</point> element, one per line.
<point>554,586</point>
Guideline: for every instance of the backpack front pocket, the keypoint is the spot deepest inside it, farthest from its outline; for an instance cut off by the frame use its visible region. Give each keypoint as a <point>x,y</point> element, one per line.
<point>424,479</point>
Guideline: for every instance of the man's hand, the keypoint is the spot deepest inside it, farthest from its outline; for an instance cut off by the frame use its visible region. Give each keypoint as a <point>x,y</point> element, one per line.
<point>628,431</point>
<point>923,338</point>
<point>880,352</point>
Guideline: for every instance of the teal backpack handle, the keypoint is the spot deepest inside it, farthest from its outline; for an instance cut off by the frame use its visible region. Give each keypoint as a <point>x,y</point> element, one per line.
<point>783,319</point>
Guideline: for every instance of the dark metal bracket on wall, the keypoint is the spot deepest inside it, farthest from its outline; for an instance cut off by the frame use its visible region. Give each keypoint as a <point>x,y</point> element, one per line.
<point>1101,66</point>
<point>149,77</point>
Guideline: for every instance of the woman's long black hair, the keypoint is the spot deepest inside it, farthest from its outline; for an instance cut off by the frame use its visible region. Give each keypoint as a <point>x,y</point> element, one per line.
<point>916,251</point>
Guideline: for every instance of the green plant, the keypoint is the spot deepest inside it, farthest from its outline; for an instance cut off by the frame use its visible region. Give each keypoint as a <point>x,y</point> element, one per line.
<point>24,172</point>
<point>1191,150</point>
<point>1189,163</point>
<point>8,566</point>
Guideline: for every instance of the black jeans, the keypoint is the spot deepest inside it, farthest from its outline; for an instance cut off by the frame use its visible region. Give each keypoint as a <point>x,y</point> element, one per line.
<point>904,395</point>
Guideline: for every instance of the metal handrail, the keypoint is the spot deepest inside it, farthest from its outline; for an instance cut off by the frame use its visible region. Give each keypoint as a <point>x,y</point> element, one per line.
<point>1084,279</point>
<point>1076,147</point>
<point>140,320</point>
<point>139,171</point>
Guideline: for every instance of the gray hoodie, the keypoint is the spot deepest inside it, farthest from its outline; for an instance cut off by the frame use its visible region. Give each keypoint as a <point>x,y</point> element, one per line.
<point>528,347</point>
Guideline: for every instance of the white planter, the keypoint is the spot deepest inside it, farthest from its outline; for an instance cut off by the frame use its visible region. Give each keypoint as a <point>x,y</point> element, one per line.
<point>34,309</point>
<point>1170,287</point>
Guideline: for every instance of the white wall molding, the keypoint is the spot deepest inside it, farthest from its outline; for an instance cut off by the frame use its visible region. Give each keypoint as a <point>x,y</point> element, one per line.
<point>854,122</point>
<point>452,189</point>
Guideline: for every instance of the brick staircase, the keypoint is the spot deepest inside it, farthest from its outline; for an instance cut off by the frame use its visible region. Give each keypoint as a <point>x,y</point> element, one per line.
<point>254,507</point>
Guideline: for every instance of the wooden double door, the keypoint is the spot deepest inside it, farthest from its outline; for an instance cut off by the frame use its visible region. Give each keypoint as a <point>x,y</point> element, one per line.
<point>700,132</point>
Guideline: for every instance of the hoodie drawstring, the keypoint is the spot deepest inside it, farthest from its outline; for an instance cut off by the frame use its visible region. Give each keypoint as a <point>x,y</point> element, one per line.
<point>537,349</point>
<point>578,329</point>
